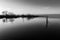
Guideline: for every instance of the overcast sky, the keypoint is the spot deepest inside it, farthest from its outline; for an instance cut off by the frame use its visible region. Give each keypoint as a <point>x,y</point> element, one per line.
<point>31,6</point>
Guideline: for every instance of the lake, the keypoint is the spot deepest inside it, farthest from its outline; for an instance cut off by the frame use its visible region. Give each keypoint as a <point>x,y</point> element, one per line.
<point>29,28</point>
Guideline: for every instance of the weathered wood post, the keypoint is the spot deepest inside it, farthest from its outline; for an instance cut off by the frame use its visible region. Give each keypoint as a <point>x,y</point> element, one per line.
<point>46,22</point>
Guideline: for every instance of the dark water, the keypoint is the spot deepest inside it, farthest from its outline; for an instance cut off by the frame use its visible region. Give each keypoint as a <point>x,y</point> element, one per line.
<point>33,31</point>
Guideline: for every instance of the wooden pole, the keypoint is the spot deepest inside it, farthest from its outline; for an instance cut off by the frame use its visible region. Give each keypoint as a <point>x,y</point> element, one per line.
<point>46,22</point>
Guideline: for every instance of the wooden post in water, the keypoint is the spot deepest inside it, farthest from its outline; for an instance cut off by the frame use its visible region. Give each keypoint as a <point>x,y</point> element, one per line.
<point>46,22</point>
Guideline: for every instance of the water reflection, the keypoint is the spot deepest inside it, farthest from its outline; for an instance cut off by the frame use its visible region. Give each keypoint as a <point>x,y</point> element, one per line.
<point>19,21</point>
<point>29,28</point>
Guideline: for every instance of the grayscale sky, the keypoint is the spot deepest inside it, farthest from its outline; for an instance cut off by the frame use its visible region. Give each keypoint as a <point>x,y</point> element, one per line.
<point>31,6</point>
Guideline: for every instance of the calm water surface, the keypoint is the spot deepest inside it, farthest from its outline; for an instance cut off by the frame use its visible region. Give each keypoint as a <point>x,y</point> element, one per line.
<point>28,27</point>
